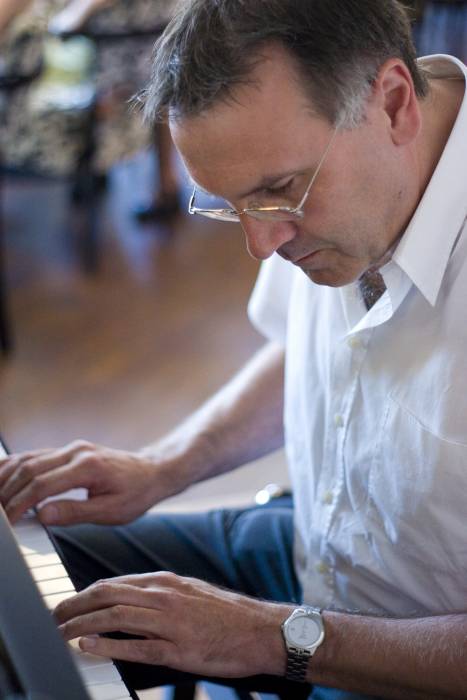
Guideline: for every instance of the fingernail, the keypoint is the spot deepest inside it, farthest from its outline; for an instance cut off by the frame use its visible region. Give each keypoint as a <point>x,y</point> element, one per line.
<point>87,642</point>
<point>49,515</point>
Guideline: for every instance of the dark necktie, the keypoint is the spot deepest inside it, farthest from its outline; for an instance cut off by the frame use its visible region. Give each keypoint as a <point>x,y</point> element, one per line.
<point>371,285</point>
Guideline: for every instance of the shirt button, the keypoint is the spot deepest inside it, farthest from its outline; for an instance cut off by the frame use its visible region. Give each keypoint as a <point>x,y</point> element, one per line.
<point>338,420</point>
<point>322,568</point>
<point>328,498</point>
<point>354,342</point>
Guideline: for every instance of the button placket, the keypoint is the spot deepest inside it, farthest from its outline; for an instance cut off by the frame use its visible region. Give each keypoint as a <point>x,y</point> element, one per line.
<point>346,370</point>
<point>354,342</point>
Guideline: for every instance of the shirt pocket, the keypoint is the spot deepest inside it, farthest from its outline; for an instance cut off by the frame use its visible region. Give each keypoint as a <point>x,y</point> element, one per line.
<point>417,492</point>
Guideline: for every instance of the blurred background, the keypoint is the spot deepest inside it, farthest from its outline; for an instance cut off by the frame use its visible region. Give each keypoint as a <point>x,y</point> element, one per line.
<point>119,312</point>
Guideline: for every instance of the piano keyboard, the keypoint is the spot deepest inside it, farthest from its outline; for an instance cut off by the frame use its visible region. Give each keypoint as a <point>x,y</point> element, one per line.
<point>100,675</point>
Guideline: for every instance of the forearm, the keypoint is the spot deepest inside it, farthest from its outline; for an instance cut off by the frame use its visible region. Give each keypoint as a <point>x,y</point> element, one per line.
<point>411,659</point>
<point>241,422</point>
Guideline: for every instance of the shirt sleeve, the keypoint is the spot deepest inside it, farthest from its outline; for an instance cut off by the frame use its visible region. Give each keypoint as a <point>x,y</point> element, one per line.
<point>269,302</point>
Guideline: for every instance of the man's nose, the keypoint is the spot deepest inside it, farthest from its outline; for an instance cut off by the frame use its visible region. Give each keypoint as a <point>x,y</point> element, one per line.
<point>263,238</point>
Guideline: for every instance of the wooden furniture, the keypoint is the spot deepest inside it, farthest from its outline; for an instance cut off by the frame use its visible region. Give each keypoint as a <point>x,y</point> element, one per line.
<point>8,84</point>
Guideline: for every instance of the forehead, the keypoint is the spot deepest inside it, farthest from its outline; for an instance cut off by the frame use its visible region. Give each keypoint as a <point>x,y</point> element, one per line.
<point>268,126</point>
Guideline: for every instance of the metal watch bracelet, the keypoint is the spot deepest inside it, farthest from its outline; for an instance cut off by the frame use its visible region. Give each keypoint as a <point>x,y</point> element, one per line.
<point>297,664</point>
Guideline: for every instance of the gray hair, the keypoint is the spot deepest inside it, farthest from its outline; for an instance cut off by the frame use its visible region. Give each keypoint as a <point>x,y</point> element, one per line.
<point>211,47</point>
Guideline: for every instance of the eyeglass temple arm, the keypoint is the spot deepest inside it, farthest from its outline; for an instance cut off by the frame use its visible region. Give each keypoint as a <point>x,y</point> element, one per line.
<point>318,168</point>
<point>192,201</point>
<point>193,210</point>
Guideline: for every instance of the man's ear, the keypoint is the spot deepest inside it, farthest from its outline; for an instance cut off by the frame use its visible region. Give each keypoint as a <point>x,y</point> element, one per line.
<point>394,94</point>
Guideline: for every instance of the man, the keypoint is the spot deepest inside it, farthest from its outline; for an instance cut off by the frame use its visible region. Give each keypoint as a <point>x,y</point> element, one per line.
<point>345,163</point>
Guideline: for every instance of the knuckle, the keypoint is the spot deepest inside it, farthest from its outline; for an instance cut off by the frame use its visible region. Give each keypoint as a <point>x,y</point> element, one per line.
<point>39,483</point>
<point>100,589</point>
<point>118,612</point>
<point>167,578</point>
<point>86,459</point>
<point>80,444</point>
<point>38,486</point>
<point>26,471</point>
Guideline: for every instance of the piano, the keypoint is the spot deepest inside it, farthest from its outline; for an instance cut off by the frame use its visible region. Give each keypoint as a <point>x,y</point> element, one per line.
<point>32,642</point>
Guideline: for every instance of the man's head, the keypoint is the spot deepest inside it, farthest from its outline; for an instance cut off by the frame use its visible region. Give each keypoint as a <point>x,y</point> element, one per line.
<point>211,47</point>
<point>254,90</point>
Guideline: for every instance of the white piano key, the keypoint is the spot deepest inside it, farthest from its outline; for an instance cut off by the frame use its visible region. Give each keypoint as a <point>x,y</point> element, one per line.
<point>99,674</point>
<point>55,585</point>
<point>107,691</point>
<point>54,599</point>
<point>34,560</point>
<point>37,541</point>
<point>34,546</point>
<point>28,520</point>
<point>84,659</point>
<point>48,573</point>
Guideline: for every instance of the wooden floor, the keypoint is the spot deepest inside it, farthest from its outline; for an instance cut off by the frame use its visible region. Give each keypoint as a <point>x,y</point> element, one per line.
<point>120,357</point>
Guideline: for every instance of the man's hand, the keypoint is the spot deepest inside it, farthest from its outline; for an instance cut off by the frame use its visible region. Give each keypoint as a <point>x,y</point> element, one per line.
<point>242,422</point>
<point>121,485</point>
<point>187,624</point>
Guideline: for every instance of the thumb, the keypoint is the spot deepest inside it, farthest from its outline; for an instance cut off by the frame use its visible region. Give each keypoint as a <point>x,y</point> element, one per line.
<point>71,511</point>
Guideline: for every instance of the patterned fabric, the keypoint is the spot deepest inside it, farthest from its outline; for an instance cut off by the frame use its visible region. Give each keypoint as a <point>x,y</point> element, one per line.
<point>38,132</point>
<point>131,15</point>
<point>39,129</point>
<point>372,286</point>
<point>123,69</point>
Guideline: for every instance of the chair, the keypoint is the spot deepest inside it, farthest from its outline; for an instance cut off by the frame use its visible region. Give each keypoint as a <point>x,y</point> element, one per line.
<point>80,179</point>
<point>8,84</point>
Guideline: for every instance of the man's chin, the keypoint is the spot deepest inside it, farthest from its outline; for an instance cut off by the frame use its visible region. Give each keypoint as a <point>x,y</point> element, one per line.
<point>328,277</point>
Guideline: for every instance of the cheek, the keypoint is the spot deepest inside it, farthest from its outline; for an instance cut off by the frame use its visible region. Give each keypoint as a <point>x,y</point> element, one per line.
<point>358,201</point>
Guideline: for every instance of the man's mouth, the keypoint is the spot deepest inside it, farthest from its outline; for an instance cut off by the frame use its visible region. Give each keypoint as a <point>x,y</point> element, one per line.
<point>306,258</point>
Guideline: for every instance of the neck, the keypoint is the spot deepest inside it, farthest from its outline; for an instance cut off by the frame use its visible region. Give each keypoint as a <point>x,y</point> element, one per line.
<point>439,113</point>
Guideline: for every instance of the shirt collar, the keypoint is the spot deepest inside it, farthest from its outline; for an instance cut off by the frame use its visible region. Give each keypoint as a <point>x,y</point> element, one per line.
<point>426,246</point>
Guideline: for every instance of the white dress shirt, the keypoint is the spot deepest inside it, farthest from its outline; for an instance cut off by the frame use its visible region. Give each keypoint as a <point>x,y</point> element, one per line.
<point>376,410</point>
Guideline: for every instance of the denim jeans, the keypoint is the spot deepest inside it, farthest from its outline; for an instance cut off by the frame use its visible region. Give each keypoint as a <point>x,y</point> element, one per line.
<point>247,550</point>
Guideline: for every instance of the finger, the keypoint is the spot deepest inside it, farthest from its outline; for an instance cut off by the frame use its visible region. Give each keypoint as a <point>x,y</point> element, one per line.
<point>11,463</point>
<point>159,652</point>
<point>162,579</point>
<point>7,468</point>
<point>104,594</point>
<point>44,485</point>
<point>42,460</point>
<point>100,509</point>
<point>96,509</point>
<point>24,469</point>
<point>143,622</point>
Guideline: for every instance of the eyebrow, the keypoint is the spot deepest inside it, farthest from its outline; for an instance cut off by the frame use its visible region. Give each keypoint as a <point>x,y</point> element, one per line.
<point>266,182</point>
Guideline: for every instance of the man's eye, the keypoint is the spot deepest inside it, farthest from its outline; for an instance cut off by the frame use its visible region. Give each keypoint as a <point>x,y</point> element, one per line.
<point>282,190</point>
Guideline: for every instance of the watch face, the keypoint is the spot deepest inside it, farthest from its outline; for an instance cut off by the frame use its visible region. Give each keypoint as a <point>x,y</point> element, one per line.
<point>303,631</point>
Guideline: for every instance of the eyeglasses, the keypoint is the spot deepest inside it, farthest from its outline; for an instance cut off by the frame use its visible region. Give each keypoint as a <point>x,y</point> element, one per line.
<point>271,213</point>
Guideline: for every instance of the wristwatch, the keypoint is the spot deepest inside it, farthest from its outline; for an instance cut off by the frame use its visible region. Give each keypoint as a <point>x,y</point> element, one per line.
<point>303,633</point>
